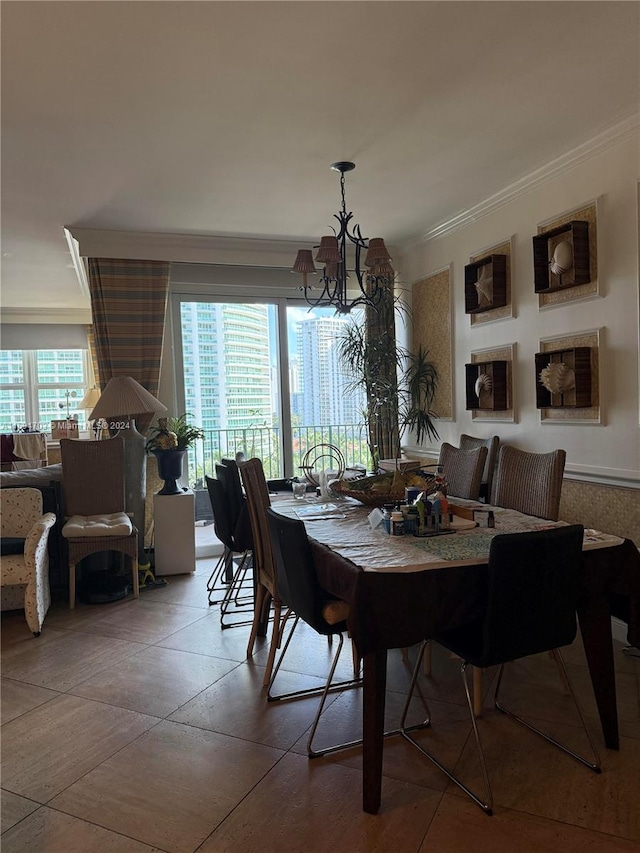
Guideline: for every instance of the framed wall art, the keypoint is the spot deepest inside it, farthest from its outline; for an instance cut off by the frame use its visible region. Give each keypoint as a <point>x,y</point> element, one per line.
<point>489,392</point>
<point>431,312</point>
<point>487,284</point>
<point>565,257</point>
<point>567,378</point>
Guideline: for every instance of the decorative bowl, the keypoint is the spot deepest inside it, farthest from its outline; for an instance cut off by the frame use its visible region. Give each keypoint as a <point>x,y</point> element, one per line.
<point>381,489</point>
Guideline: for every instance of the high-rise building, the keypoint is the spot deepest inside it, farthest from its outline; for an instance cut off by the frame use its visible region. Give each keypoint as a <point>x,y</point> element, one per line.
<point>227,371</point>
<point>324,382</point>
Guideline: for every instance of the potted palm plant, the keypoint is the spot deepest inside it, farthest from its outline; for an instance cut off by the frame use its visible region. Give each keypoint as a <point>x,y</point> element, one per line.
<point>169,442</point>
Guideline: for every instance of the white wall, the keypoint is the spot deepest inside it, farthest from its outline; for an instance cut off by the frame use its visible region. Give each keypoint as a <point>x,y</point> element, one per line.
<point>609,451</point>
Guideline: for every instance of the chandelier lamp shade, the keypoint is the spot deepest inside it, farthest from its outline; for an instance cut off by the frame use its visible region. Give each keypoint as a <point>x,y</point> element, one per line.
<point>373,274</point>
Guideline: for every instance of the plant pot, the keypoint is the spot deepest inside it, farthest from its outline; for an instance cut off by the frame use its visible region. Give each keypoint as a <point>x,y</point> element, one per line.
<point>170,469</point>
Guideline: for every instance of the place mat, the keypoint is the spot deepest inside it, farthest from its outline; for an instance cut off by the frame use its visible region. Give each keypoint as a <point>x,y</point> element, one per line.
<point>454,548</point>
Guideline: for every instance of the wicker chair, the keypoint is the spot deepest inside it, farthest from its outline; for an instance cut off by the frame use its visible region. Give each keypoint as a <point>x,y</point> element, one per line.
<point>470,442</point>
<point>463,470</point>
<point>94,493</point>
<point>25,563</point>
<point>257,492</point>
<point>529,482</point>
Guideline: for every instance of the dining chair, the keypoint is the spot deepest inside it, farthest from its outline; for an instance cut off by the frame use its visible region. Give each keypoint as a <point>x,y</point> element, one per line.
<point>462,470</point>
<point>24,568</point>
<point>470,442</point>
<point>529,482</point>
<point>235,534</point>
<point>265,572</point>
<point>326,614</point>
<point>533,582</point>
<point>235,518</point>
<point>94,497</point>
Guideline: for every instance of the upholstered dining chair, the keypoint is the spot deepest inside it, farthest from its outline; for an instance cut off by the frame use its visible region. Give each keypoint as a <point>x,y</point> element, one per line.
<point>533,585</point>
<point>326,614</point>
<point>234,531</point>
<point>462,470</point>
<point>94,497</point>
<point>264,566</point>
<point>529,482</point>
<point>470,442</point>
<point>24,568</point>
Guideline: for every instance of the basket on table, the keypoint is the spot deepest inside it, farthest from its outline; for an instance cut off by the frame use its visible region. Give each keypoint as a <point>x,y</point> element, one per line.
<point>381,489</point>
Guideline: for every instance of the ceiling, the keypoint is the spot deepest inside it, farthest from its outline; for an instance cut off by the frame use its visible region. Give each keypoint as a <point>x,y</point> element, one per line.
<point>222,118</point>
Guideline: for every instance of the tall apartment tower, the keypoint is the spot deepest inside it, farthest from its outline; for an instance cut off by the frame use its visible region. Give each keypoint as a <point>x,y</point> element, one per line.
<point>323,379</point>
<point>226,364</point>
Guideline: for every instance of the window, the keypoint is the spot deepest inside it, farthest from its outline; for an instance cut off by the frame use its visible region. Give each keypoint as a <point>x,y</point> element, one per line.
<point>264,377</point>
<point>39,386</point>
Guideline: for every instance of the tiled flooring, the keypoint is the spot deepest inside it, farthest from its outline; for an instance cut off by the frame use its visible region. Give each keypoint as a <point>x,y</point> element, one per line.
<point>139,726</point>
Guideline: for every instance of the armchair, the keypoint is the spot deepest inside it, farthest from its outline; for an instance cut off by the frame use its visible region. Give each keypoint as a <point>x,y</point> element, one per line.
<point>25,563</point>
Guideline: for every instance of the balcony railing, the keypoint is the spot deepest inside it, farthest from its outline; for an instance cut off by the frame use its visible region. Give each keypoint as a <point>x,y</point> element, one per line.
<point>264,442</point>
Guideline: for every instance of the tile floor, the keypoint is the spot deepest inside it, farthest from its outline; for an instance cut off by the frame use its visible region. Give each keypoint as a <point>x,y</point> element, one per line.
<point>140,726</point>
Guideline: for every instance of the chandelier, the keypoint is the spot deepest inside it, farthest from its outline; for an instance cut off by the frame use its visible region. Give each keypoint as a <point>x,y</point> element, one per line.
<point>376,275</point>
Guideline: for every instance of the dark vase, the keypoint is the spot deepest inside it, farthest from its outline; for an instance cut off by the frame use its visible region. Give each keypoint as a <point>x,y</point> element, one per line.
<point>170,469</point>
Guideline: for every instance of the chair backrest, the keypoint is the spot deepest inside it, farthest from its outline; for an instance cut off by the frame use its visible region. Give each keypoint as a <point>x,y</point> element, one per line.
<point>229,475</point>
<point>20,509</point>
<point>470,442</point>
<point>93,476</point>
<point>297,578</point>
<point>534,582</point>
<point>221,511</point>
<point>231,520</point>
<point>255,487</point>
<point>462,470</point>
<point>529,482</point>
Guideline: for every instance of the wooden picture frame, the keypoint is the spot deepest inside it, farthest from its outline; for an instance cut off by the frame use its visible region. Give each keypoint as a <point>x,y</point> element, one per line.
<point>495,397</point>
<point>485,284</point>
<point>575,359</point>
<point>574,236</point>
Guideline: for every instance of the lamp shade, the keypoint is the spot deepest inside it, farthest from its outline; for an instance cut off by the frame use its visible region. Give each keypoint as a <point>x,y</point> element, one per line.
<point>376,252</point>
<point>90,399</point>
<point>304,261</point>
<point>328,251</point>
<point>122,397</point>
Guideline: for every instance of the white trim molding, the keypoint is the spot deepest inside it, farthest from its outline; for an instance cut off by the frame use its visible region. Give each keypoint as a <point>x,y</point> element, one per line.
<point>597,144</point>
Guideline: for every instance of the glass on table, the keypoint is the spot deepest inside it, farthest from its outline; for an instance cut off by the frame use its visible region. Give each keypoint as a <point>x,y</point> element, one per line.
<point>299,490</point>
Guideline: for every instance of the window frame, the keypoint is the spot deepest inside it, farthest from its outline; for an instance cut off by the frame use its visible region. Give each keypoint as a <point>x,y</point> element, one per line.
<point>30,386</point>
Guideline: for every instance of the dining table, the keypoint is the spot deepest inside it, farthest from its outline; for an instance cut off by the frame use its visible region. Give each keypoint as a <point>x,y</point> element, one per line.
<point>404,589</point>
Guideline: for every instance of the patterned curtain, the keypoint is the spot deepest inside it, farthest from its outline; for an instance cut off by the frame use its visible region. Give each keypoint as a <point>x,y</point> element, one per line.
<point>128,306</point>
<point>91,341</point>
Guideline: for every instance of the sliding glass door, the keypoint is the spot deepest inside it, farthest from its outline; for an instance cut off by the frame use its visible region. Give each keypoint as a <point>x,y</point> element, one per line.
<point>324,405</point>
<point>264,378</point>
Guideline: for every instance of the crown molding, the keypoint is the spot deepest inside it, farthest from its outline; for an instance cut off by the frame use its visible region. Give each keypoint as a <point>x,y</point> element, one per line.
<point>613,135</point>
<point>47,316</point>
<point>185,248</point>
<point>78,263</point>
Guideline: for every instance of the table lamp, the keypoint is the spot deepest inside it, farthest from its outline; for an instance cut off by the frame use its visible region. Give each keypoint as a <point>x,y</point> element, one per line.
<point>87,404</point>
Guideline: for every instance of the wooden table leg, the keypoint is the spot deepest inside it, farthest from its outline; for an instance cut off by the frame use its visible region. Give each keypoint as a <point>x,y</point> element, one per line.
<point>595,625</point>
<point>375,682</point>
